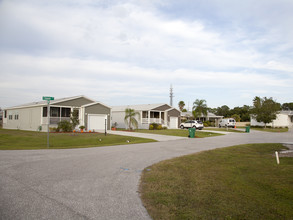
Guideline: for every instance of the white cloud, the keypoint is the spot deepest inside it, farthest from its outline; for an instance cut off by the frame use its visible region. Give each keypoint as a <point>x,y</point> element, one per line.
<point>113,51</point>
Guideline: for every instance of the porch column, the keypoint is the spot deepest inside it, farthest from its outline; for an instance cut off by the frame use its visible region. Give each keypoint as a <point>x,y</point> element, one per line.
<point>141,117</point>
<point>160,117</point>
<point>149,117</point>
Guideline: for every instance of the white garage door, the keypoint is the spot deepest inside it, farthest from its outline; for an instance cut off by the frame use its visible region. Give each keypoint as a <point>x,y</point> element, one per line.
<point>96,122</point>
<point>173,122</point>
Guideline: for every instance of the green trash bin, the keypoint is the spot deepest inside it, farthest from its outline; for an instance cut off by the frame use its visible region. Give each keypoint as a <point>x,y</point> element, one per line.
<point>191,132</point>
<point>247,129</point>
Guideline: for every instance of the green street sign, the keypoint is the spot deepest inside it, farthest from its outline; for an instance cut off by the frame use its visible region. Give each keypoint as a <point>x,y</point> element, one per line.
<point>48,98</point>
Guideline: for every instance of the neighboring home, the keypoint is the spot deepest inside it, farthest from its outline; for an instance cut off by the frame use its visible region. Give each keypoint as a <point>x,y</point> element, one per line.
<point>33,116</point>
<point>284,119</point>
<point>162,114</point>
<point>210,117</point>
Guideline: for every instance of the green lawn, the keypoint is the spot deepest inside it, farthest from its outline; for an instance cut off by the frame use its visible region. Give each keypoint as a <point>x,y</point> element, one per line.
<point>178,132</point>
<point>240,182</point>
<point>271,129</point>
<point>225,129</point>
<point>27,140</point>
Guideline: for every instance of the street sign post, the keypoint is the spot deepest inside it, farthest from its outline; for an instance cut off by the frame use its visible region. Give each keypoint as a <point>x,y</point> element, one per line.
<point>48,99</point>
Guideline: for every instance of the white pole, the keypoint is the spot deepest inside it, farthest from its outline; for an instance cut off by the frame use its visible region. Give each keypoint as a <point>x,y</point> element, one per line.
<point>277,157</point>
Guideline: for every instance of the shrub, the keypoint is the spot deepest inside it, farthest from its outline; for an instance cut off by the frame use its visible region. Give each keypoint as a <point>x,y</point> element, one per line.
<point>165,128</point>
<point>159,127</point>
<point>155,126</point>
<point>65,126</point>
<point>207,123</point>
<point>151,127</point>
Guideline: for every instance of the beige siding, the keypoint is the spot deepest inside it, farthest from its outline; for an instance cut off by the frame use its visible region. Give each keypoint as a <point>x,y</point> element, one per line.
<point>28,119</point>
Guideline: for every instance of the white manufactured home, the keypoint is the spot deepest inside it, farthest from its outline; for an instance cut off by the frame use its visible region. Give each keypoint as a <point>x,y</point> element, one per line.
<point>284,119</point>
<point>33,116</point>
<point>162,114</point>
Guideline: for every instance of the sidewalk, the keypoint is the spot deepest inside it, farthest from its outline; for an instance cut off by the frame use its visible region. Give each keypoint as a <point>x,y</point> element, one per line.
<point>156,137</point>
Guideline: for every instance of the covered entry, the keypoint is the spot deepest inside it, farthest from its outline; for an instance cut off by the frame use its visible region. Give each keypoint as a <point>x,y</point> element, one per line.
<point>97,121</point>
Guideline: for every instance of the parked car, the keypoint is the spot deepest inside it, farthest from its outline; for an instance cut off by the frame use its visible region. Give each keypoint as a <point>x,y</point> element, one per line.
<point>227,122</point>
<point>192,124</point>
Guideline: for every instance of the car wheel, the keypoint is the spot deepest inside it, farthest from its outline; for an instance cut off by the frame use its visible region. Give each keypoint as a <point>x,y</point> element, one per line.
<point>194,126</point>
<point>182,127</point>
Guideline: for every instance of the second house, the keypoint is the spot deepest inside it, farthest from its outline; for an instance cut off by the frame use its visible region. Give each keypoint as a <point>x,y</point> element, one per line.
<point>162,114</point>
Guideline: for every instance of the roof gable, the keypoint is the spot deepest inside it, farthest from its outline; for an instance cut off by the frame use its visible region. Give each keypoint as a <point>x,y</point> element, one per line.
<point>143,107</point>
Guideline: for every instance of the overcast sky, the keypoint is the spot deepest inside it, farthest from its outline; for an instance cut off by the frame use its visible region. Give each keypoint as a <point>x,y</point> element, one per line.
<point>130,52</point>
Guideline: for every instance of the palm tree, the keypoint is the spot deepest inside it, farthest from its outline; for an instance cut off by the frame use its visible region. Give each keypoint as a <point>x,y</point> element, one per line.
<point>199,108</point>
<point>181,105</point>
<point>129,118</point>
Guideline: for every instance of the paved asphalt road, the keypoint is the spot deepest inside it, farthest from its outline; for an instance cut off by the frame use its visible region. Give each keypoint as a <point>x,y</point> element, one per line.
<point>94,183</point>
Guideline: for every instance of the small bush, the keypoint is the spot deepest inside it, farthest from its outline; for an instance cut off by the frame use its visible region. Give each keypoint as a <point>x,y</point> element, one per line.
<point>155,126</point>
<point>165,128</point>
<point>65,126</point>
<point>207,124</point>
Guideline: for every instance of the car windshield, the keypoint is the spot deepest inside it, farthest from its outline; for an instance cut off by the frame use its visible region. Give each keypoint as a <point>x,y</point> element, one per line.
<point>199,122</point>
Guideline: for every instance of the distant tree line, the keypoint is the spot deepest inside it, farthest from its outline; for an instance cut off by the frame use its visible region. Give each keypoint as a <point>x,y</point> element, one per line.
<point>266,107</point>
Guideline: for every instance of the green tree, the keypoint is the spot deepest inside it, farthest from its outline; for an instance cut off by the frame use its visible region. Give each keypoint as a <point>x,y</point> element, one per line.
<point>243,112</point>
<point>223,111</point>
<point>129,118</point>
<point>181,105</point>
<point>236,117</point>
<point>265,109</point>
<point>199,108</point>
<point>287,106</point>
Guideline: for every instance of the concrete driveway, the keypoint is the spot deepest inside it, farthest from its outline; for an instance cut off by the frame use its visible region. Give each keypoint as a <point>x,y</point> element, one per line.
<point>156,137</point>
<point>94,183</point>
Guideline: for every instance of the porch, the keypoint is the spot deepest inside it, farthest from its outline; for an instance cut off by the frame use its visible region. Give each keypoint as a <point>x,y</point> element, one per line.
<point>149,117</point>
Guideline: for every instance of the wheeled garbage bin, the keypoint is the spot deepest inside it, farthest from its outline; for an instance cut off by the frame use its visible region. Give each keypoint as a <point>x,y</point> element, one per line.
<point>247,129</point>
<point>191,132</point>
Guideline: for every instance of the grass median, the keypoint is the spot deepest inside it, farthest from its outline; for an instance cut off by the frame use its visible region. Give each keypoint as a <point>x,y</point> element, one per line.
<point>28,140</point>
<point>240,182</point>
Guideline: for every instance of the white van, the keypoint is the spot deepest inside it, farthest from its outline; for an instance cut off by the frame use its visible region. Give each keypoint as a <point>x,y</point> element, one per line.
<point>227,122</point>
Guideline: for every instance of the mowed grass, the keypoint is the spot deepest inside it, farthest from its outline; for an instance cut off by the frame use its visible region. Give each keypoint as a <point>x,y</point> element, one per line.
<point>240,182</point>
<point>179,132</point>
<point>225,130</point>
<point>27,140</point>
<point>271,129</point>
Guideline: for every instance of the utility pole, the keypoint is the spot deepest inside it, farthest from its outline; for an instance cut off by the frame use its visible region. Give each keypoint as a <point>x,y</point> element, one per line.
<point>171,96</point>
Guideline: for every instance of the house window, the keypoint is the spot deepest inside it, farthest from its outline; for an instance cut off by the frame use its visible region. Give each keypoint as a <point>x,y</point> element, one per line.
<point>65,112</point>
<point>54,112</point>
<point>5,114</point>
<point>45,111</point>
<point>10,117</point>
<point>15,117</point>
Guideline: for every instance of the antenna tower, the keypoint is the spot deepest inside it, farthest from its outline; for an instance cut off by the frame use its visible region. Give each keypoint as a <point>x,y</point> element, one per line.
<point>171,96</point>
